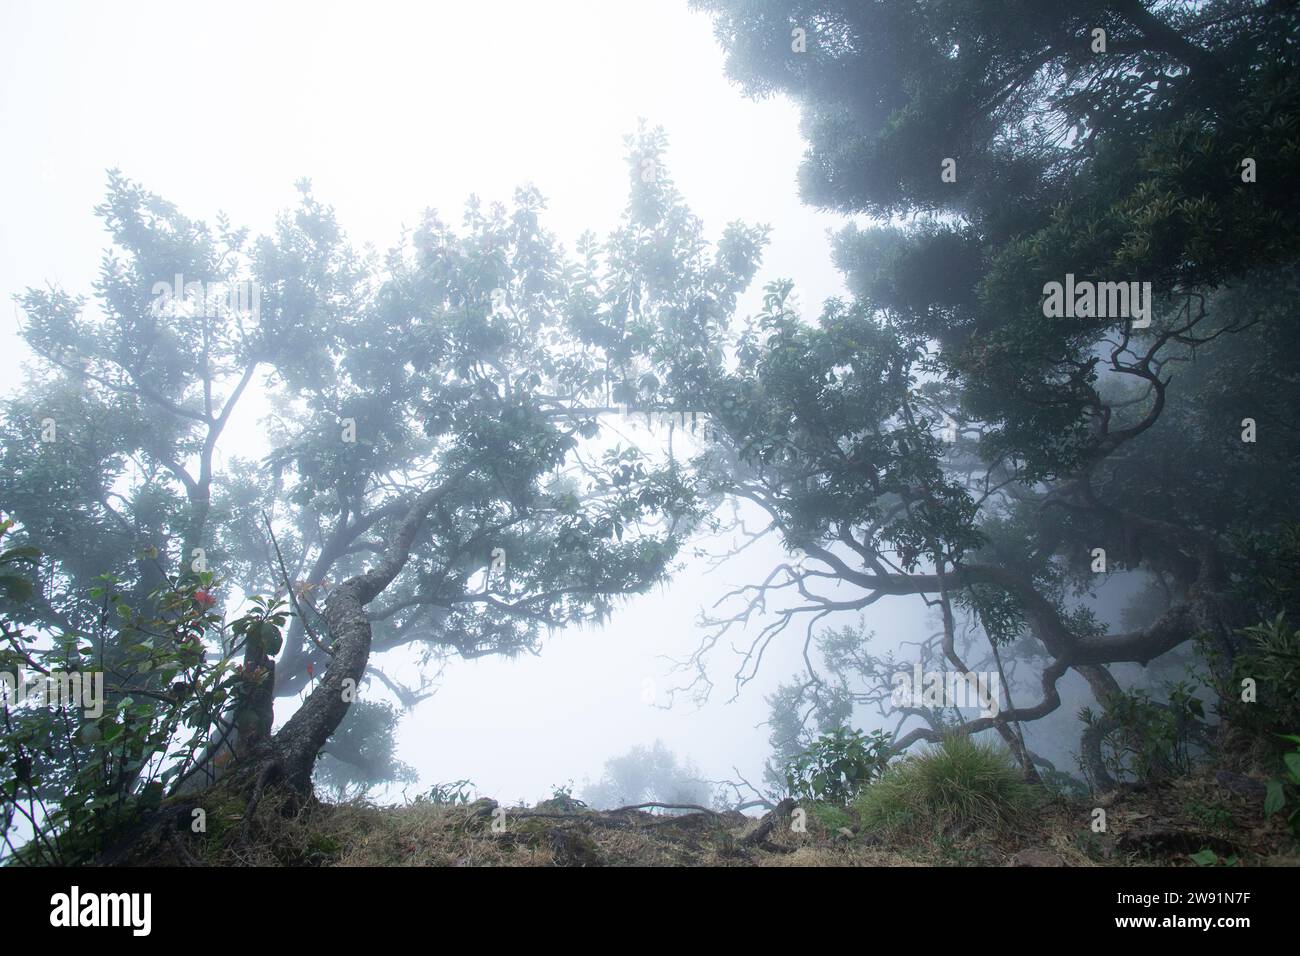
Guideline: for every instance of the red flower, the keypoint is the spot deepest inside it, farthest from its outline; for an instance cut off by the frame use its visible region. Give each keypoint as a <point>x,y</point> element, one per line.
<point>204,599</point>
<point>310,673</point>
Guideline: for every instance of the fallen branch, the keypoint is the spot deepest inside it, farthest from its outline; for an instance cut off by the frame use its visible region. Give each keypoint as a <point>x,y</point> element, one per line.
<point>664,806</point>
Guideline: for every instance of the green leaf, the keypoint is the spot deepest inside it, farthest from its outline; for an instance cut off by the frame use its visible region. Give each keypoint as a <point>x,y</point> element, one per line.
<point>1275,798</point>
<point>271,639</point>
<point>152,794</point>
<point>17,587</point>
<point>1292,762</point>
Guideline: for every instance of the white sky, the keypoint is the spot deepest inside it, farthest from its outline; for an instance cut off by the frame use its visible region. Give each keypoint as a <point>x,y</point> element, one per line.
<point>389,109</point>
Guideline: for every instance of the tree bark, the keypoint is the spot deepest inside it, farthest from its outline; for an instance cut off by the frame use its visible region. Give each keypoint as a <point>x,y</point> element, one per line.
<point>290,756</point>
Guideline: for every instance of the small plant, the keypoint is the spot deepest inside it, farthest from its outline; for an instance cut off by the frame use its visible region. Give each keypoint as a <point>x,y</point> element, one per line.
<point>838,766</point>
<point>1090,845</point>
<point>562,800</point>
<point>562,791</point>
<point>954,854</point>
<point>1210,815</point>
<point>1276,797</point>
<point>454,794</point>
<point>1144,740</point>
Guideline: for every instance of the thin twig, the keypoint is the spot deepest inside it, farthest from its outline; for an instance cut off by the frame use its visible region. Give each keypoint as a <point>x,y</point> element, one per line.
<point>293,599</point>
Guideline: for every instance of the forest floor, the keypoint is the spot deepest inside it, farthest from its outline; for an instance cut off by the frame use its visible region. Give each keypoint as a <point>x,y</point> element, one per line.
<point>1209,819</point>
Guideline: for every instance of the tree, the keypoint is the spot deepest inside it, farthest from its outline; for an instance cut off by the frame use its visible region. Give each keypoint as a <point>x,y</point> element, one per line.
<point>514,396</point>
<point>647,775</point>
<point>435,438</point>
<point>361,753</point>
<point>1062,433</point>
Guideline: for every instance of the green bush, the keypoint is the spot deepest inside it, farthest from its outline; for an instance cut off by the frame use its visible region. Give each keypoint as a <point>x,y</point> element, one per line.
<point>838,765</point>
<point>1267,590</point>
<point>1270,659</point>
<point>1145,740</point>
<point>955,785</point>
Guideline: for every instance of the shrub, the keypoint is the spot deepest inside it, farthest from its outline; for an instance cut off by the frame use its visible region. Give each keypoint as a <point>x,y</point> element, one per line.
<point>1270,659</point>
<point>838,765</point>
<point>1267,590</point>
<point>1145,740</point>
<point>958,784</point>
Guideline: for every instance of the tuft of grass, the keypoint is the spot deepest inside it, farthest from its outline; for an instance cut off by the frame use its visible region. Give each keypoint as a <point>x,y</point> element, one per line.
<point>959,785</point>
